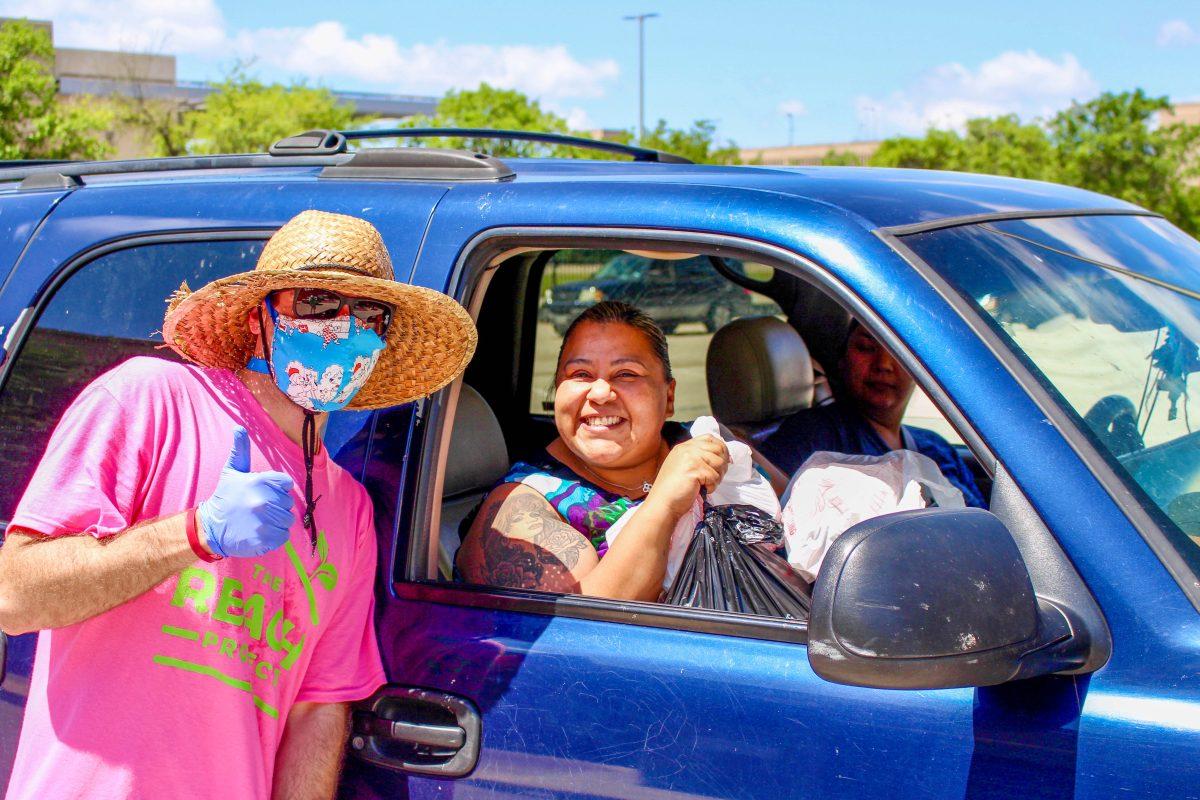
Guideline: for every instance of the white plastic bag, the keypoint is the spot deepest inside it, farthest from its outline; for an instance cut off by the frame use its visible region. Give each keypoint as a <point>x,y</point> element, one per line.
<point>742,484</point>
<point>833,491</point>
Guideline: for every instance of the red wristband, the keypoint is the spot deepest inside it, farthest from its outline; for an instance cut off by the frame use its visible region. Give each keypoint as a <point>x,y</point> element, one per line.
<point>194,539</point>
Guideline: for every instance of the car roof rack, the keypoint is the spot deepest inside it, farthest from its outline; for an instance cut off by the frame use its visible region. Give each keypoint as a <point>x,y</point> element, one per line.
<point>329,149</point>
<point>580,142</point>
<point>413,163</point>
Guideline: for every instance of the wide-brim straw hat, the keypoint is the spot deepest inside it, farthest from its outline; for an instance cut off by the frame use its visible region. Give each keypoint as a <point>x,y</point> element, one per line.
<point>429,341</point>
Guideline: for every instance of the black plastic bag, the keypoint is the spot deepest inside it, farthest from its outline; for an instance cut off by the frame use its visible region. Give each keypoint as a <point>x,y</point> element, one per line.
<point>731,565</point>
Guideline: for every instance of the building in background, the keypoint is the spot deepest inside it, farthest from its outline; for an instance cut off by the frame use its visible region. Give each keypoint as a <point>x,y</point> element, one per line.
<point>152,77</point>
<point>807,154</point>
<point>1184,112</point>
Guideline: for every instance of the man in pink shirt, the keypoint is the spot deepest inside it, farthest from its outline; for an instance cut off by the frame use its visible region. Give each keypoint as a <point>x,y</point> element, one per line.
<point>201,573</point>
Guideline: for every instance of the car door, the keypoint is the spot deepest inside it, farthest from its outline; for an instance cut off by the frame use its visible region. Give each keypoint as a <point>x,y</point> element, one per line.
<point>91,292</point>
<point>20,215</point>
<point>574,696</point>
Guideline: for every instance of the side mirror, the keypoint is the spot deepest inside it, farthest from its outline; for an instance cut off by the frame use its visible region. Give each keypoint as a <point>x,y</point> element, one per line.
<point>934,599</point>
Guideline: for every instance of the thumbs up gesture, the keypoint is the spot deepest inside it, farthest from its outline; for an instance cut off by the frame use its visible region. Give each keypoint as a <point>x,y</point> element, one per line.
<point>249,513</point>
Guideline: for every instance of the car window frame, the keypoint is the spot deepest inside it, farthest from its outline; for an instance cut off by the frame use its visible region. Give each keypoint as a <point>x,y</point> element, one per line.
<point>467,283</point>
<point>1069,424</point>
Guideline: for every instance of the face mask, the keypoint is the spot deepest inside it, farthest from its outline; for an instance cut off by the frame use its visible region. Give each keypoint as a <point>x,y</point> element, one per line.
<point>320,364</point>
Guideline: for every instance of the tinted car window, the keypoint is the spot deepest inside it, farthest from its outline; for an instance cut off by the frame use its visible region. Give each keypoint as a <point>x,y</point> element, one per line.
<point>108,311</point>
<point>1106,311</point>
<point>686,296</point>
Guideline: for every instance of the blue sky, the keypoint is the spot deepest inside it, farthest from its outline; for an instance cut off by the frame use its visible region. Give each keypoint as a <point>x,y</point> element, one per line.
<point>847,70</point>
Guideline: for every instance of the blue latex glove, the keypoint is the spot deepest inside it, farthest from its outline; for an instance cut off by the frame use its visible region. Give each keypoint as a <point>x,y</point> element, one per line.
<point>249,513</point>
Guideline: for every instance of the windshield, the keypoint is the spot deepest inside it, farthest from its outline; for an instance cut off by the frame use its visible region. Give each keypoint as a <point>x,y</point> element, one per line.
<point>1107,309</point>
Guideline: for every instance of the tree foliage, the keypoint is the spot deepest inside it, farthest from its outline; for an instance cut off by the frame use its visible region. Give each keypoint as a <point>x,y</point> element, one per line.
<point>34,121</point>
<point>508,109</point>
<point>1000,145</point>
<point>697,143</point>
<point>841,158</point>
<point>245,115</point>
<point>1110,144</point>
<point>490,107</point>
<point>164,125</point>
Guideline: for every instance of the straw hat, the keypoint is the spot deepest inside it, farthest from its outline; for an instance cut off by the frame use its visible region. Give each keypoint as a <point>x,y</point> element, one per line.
<point>429,341</point>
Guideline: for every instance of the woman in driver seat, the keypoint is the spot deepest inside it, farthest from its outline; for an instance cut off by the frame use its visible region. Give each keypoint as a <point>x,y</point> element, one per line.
<point>543,527</point>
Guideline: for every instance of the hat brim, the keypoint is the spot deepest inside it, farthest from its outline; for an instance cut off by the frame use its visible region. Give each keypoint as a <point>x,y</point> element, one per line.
<point>429,341</point>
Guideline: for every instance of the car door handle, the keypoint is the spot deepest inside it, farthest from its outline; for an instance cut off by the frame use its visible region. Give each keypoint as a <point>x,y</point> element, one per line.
<point>442,737</point>
<point>419,731</point>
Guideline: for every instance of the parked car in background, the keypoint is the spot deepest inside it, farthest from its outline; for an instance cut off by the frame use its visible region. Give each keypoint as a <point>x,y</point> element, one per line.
<point>1046,648</point>
<point>674,292</point>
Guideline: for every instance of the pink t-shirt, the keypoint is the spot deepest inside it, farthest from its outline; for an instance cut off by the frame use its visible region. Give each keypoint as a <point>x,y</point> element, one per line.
<point>183,692</point>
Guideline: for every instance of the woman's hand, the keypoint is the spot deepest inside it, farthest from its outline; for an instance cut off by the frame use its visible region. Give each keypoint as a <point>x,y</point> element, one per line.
<point>695,464</point>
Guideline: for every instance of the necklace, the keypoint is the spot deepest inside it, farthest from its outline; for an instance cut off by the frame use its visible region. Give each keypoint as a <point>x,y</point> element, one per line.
<point>644,488</point>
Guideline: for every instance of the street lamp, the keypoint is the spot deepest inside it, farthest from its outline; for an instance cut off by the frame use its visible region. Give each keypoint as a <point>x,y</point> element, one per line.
<point>641,21</point>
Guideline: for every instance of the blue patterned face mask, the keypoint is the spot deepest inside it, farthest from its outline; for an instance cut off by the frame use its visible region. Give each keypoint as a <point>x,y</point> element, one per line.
<point>320,364</point>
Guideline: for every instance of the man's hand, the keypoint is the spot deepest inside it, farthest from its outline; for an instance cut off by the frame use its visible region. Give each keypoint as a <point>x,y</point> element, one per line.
<point>249,513</point>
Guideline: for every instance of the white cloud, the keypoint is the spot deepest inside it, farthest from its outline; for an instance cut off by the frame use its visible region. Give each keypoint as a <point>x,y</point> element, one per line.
<point>325,52</point>
<point>578,119</point>
<point>794,107</point>
<point>1022,83</point>
<point>322,52</point>
<point>157,26</point>
<point>1176,33</point>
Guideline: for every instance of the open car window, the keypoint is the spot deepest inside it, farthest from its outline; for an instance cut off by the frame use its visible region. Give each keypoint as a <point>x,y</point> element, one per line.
<point>491,433</point>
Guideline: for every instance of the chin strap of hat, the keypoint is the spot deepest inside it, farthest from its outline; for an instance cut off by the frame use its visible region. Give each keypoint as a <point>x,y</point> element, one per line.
<point>308,441</point>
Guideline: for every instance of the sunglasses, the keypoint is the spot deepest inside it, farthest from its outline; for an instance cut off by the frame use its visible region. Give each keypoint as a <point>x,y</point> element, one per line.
<point>326,304</point>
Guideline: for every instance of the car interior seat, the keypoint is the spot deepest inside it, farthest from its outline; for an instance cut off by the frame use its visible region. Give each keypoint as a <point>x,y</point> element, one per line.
<point>477,458</point>
<point>759,372</point>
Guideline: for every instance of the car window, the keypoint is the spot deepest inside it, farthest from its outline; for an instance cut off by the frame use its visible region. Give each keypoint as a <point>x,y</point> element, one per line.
<point>922,413</point>
<point>107,312</point>
<point>1107,310</point>
<point>689,312</point>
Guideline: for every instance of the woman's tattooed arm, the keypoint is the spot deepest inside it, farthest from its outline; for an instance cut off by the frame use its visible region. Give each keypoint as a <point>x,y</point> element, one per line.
<point>525,544</point>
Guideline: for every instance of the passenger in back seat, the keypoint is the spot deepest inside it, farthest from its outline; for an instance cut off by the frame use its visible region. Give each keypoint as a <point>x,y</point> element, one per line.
<point>874,394</point>
<point>543,526</point>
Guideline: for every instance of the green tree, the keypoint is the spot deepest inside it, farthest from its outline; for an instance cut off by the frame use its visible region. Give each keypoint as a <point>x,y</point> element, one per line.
<point>490,107</point>
<point>244,115</point>
<point>841,158</point>
<point>1111,145</point>
<point>509,109</point>
<point>34,121</point>
<point>1000,145</point>
<point>165,125</point>
<point>697,143</point>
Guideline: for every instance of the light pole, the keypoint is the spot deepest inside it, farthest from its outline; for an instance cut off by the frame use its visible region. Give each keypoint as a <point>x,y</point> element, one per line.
<point>791,127</point>
<point>641,21</point>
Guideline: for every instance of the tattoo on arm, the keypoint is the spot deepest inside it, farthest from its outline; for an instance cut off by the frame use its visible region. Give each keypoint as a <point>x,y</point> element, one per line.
<point>526,545</point>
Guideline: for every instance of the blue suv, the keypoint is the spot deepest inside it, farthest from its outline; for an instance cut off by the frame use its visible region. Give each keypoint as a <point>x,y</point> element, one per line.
<point>1049,647</point>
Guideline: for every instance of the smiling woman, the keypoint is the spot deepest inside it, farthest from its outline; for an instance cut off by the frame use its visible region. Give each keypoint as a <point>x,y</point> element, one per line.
<point>544,526</point>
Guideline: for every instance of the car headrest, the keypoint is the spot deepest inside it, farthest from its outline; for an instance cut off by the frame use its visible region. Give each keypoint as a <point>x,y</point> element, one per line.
<point>758,370</point>
<point>478,456</point>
